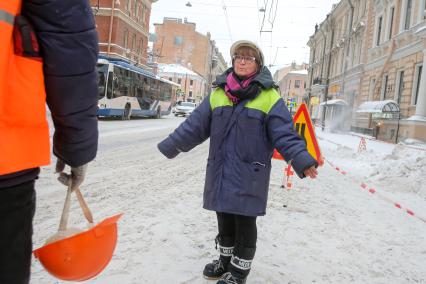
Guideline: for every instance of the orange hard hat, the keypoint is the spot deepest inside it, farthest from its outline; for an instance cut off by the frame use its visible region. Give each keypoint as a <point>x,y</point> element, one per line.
<point>81,256</point>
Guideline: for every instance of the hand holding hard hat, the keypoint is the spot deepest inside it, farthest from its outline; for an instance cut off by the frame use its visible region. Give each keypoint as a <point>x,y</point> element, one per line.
<point>75,254</point>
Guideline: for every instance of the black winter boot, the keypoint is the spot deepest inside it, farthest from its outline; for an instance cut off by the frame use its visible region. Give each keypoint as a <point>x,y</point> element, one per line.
<point>228,278</point>
<point>240,265</point>
<point>217,268</point>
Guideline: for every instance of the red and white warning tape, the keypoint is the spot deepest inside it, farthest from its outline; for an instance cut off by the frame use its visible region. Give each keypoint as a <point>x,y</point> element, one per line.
<point>386,142</point>
<point>373,191</point>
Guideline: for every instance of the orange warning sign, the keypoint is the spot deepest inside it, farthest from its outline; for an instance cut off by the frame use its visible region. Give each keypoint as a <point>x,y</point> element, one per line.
<point>303,126</point>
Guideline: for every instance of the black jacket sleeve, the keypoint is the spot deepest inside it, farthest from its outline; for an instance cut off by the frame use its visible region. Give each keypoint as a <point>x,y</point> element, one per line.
<point>69,46</point>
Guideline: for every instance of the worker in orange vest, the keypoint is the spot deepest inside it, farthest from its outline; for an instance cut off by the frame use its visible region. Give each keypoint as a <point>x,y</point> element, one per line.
<point>48,54</point>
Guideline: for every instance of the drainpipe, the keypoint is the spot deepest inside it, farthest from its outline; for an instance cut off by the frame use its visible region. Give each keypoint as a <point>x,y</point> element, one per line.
<point>345,50</point>
<point>110,27</point>
<point>322,110</point>
<point>310,79</point>
<point>327,78</point>
<point>323,52</point>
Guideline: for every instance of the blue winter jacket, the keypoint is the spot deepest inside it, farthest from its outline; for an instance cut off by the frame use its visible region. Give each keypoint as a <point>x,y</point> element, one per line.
<point>242,139</point>
<point>68,43</point>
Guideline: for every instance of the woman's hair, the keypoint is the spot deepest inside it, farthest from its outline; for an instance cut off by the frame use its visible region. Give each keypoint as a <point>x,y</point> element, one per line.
<point>245,50</point>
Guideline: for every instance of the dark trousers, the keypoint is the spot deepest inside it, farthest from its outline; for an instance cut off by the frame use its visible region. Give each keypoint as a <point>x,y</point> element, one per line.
<point>17,208</point>
<point>241,233</point>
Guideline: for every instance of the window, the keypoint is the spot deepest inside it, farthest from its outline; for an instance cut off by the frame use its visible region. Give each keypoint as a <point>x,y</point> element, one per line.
<point>190,94</point>
<point>170,79</point>
<point>424,10</point>
<point>408,14</point>
<point>191,82</point>
<point>143,14</point>
<point>359,50</point>
<point>371,89</point>
<point>122,82</point>
<point>125,36</point>
<point>129,3</point>
<point>384,87</point>
<point>417,80</point>
<point>135,7</point>
<point>297,84</point>
<point>391,15</point>
<point>400,86</point>
<point>134,42</point>
<point>101,84</point>
<point>179,80</point>
<point>178,40</point>
<point>110,85</point>
<point>379,30</point>
<point>141,47</point>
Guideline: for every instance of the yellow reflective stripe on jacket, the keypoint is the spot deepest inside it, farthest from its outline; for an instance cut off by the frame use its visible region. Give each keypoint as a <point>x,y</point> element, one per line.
<point>263,102</point>
<point>218,99</point>
<point>6,17</point>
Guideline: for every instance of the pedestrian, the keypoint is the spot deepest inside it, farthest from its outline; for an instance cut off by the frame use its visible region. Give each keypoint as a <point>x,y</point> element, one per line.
<point>245,119</point>
<point>48,54</point>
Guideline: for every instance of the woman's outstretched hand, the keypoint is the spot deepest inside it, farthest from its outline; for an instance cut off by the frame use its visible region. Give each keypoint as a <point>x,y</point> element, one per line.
<point>311,172</point>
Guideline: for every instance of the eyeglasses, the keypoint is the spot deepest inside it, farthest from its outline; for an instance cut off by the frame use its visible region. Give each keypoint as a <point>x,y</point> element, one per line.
<point>247,59</point>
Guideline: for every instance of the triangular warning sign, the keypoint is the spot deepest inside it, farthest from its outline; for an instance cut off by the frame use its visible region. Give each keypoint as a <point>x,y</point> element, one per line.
<point>303,126</point>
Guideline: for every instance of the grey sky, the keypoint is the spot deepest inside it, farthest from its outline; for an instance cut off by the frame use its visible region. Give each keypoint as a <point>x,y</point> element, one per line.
<point>293,24</point>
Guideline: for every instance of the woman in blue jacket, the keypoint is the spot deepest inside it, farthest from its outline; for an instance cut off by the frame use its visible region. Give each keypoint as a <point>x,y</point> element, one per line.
<point>245,119</point>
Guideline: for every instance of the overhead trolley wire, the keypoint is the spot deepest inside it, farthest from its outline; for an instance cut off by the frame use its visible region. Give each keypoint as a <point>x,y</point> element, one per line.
<point>227,19</point>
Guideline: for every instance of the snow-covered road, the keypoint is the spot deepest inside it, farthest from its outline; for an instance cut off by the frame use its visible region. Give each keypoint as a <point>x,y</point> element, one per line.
<point>326,230</point>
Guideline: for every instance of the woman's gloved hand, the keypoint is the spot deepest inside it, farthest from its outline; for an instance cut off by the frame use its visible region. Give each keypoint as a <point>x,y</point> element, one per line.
<point>76,177</point>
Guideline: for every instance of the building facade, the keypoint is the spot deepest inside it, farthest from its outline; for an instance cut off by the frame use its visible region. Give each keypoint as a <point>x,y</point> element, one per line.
<point>178,42</point>
<point>192,84</point>
<point>394,72</point>
<point>292,88</point>
<point>337,63</point>
<point>280,73</point>
<point>366,68</point>
<point>123,28</point>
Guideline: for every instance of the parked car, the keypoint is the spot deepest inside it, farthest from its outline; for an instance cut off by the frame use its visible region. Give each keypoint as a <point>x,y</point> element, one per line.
<point>184,108</point>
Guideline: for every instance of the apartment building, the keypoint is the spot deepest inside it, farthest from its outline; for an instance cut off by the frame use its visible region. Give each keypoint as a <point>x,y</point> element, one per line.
<point>123,28</point>
<point>393,82</point>
<point>366,68</point>
<point>192,84</point>
<point>178,42</point>
<point>292,88</point>
<point>336,63</point>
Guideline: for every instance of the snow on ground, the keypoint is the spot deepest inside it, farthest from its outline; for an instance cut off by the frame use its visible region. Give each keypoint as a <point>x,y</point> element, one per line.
<point>326,230</point>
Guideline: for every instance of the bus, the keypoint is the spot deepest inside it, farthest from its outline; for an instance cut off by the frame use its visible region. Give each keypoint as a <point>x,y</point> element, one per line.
<point>127,91</point>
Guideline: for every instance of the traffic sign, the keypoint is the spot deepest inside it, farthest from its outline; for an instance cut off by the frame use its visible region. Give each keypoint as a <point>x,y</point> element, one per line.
<point>304,127</point>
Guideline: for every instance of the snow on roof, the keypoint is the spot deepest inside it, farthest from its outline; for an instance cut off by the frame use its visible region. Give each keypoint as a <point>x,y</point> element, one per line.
<point>334,102</point>
<point>378,106</point>
<point>175,68</point>
<point>299,72</point>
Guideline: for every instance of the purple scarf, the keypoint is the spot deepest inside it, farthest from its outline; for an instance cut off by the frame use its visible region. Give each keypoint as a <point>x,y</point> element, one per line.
<point>232,84</point>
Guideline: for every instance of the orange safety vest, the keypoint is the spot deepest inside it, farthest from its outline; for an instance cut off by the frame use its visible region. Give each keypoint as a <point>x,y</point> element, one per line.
<point>24,132</point>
